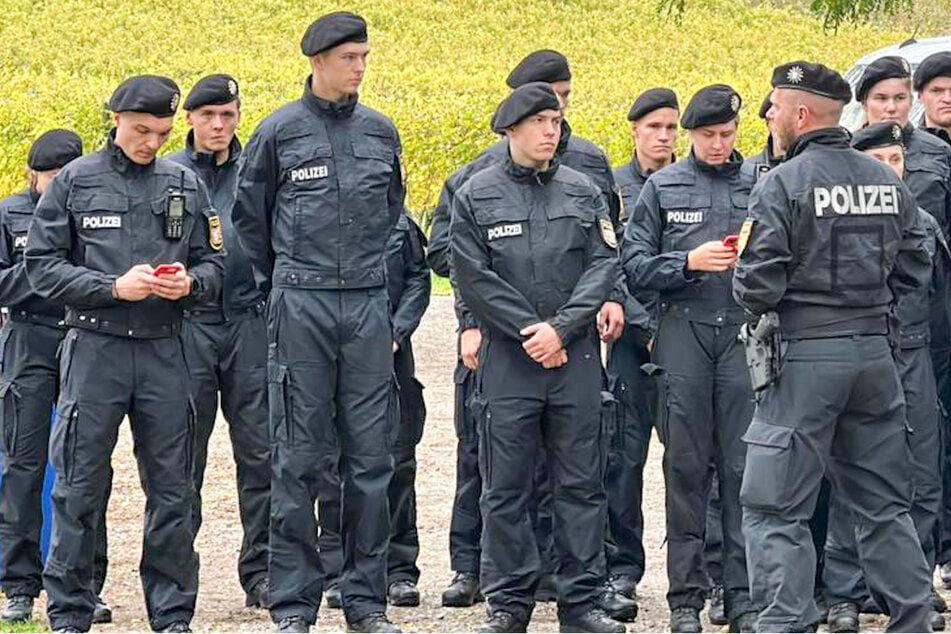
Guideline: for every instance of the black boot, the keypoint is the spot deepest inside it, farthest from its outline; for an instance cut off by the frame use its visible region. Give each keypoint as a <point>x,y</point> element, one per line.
<point>594,620</point>
<point>744,622</point>
<point>177,627</point>
<point>625,586</point>
<point>17,608</point>
<point>617,606</point>
<point>546,591</point>
<point>403,593</point>
<point>257,597</point>
<point>332,595</point>
<point>376,622</point>
<point>102,613</point>
<point>502,621</point>
<point>937,621</point>
<point>716,612</point>
<point>844,617</point>
<point>685,620</point>
<point>938,603</point>
<point>463,591</point>
<point>295,624</point>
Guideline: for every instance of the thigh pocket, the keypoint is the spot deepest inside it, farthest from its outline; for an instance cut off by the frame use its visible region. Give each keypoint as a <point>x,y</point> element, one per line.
<point>63,440</point>
<point>611,412</point>
<point>462,414</point>
<point>768,457</point>
<point>482,418</point>
<point>10,402</point>
<point>280,407</point>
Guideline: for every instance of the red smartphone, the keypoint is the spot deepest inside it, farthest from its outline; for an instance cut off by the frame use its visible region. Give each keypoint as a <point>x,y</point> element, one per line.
<point>731,241</point>
<point>165,269</point>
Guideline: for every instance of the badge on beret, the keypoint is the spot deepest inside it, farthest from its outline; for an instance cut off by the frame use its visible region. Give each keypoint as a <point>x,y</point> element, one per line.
<point>607,233</point>
<point>745,232</point>
<point>735,103</point>
<point>233,87</point>
<point>216,235</point>
<point>795,75</point>
<point>896,132</point>
<point>173,102</point>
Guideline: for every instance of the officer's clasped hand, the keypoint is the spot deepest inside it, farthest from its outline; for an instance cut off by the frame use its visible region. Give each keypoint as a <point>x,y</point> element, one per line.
<point>543,342</point>
<point>711,257</point>
<point>610,321</point>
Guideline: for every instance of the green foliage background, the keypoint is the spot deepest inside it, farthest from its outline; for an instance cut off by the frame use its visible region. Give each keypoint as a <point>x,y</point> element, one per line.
<point>437,68</point>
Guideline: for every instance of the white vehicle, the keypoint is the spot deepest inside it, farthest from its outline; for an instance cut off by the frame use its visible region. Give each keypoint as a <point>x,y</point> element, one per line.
<point>914,51</point>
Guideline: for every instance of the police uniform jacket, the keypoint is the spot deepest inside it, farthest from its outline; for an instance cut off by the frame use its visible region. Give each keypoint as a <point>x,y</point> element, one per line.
<point>917,309</point>
<point>319,189</point>
<point>572,151</point>
<point>408,281</point>
<point>238,291</point>
<point>16,214</point>
<point>532,246</point>
<point>103,214</point>
<point>928,173</point>
<point>833,240</point>
<point>681,207</point>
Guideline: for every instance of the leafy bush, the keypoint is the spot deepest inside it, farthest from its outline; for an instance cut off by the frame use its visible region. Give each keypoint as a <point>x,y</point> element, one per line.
<point>437,68</point>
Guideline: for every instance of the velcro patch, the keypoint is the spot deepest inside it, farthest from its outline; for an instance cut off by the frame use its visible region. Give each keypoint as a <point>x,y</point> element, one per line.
<point>504,231</point>
<point>684,217</point>
<point>101,222</point>
<point>313,172</point>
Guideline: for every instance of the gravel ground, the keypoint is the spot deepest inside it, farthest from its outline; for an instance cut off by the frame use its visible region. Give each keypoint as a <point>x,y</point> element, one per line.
<point>221,600</point>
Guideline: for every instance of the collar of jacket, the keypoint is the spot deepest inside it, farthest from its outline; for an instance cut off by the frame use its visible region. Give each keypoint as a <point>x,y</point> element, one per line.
<point>208,158</point>
<point>34,195</point>
<point>941,133</point>
<point>771,159</point>
<point>122,163</point>
<point>565,136</point>
<point>522,174</point>
<point>326,108</point>
<point>643,173</point>
<point>730,168</point>
<point>834,137</point>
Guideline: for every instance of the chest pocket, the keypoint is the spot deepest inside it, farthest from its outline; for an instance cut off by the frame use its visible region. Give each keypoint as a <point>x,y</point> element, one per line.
<point>101,222</point>
<point>567,240</point>
<point>504,225</point>
<point>372,170</point>
<point>309,167</point>
<point>686,220</point>
<point>145,245</point>
<point>19,227</point>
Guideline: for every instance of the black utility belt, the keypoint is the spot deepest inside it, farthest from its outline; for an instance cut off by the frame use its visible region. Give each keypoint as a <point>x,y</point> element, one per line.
<point>861,327</point>
<point>217,315</point>
<point>117,329</point>
<point>37,318</point>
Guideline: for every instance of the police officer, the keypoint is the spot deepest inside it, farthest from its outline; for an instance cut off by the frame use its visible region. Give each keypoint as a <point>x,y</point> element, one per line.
<point>100,237</point>
<point>932,81</point>
<point>466,523</point>
<point>226,340</point>
<point>843,574</point>
<point>319,191</point>
<point>772,154</point>
<point>653,118</point>
<point>533,257</point>
<point>674,246</point>
<point>831,240</point>
<point>28,383</point>
<point>408,284</point>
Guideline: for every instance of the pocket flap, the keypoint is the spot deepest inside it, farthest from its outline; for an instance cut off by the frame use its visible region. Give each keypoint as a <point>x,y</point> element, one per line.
<point>83,200</point>
<point>768,435</point>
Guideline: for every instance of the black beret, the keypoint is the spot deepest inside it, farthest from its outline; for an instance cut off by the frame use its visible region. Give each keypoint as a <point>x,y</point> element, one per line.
<point>888,67</point>
<point>213,90</point>
<point>815,78</point>
<point>935,65</point>
<point>651,100</point>
<point>545,65</point>
<point>878,135</point>
<point>331,30</point>
<point>151,94</point>
<point>523,102</point>
<point>714,104</point>
<point>765,106</point>
<point>54,149</point>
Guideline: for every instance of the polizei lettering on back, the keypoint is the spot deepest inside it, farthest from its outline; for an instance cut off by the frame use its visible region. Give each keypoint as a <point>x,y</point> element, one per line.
<point>309,173</point>
<point>683,217</point>
<point>856,200</point>
<point>504,231</point>
<point>101,222</point>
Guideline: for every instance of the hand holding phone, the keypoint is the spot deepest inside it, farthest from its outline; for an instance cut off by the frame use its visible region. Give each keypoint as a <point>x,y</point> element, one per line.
<point>166,269</point>
<point>731,241</point>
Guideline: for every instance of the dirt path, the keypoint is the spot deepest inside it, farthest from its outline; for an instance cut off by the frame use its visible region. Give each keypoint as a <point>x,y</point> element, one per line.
<point>221,600</point>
